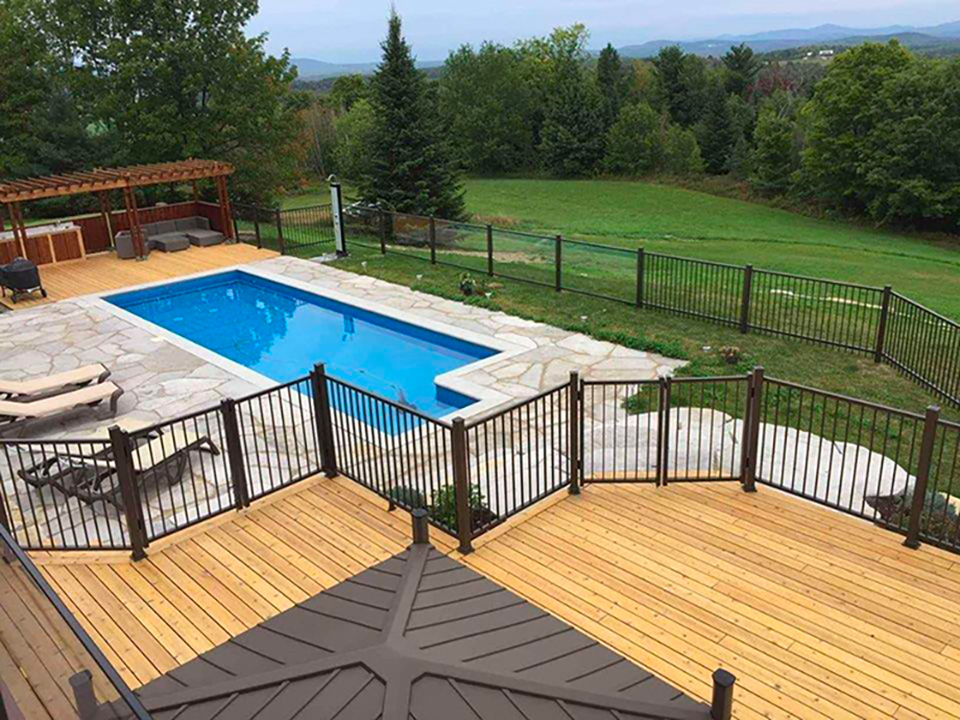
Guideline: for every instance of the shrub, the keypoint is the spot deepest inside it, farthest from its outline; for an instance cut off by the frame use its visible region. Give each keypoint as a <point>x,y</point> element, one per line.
<point>407,497</point>
<point>444,509</point>
<point>938,519</point>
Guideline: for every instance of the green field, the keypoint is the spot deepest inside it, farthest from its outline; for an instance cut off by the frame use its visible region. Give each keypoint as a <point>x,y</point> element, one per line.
<point>682,222</point>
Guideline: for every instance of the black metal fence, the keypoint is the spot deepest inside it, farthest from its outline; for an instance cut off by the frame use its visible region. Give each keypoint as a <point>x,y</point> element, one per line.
<point>893,467</point>
<point>859,318</point>
<point>303,232</point>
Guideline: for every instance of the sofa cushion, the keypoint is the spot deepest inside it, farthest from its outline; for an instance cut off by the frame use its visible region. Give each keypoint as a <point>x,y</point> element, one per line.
<point>170,242</point>
<point>150,229</point>
<point>184,224</point>
<point>202,223</point>
<point>166,227</point>
<point>205,238</point>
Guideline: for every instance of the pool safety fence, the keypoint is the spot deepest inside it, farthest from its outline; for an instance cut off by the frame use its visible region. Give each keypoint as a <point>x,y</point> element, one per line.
<point>124,490</point>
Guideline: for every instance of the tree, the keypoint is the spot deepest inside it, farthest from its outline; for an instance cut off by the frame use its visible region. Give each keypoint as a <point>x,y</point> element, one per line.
<point>182,79</point>
<point>613,82</point>
<point>742,68</point>
<point>346,90</point>
<point>634,143</point>
<point>488,107</point>
<point>354,131</point>
<point>411,166</point>
<point>844,113</point>
<point>682,83</point>
<point>715,133</point>
<point>572,135</point>
<point>775,158</point>
<point>681,154</point>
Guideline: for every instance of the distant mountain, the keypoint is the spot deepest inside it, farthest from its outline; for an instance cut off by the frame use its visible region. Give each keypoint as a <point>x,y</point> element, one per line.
<point>310,69</point>
<point>775,40</point>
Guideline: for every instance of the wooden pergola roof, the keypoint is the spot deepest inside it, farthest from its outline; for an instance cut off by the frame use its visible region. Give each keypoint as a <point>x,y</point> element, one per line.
<point>102,179</point>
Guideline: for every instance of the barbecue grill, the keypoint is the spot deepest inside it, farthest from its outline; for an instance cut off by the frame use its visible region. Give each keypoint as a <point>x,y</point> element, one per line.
<point>21,278</point>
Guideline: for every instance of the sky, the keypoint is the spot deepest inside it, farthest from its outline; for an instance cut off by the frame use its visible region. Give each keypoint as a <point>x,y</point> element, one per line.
<point>350,30</point>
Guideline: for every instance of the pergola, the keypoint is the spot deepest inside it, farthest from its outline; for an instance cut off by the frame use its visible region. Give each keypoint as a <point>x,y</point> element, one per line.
<point>103,180</point>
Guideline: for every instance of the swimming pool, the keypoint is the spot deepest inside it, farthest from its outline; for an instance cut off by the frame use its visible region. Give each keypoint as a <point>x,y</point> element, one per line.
<point>280,331</point>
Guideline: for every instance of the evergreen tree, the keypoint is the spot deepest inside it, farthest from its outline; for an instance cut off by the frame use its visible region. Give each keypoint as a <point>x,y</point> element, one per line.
<point>775,158</point>
<point>634,143</point>
<point>572,136</point>
<point>742,68</point>
<point>681,154</point>
<point>682,83</point>
<point>411,166</point>
<point>715,132</point>
<point>612,82</point>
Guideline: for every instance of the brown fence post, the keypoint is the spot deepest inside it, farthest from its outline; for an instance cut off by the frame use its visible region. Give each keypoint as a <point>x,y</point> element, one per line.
<point>421,527</point>
<point>558,263</point>
<point>461,485</point>
<point>433,241</point>
<point>922,477</point>
<point>238,471</point>
<point>256,226</point>
<point>663,432</point>
<point>83,695</point>
<point>745,298</point>
<point>721,708</point>
<point>750,435</point>
<point>280,233</point>
<point>641,262</point>
<point>383,232</point>
<point>123,461</point>
<point>882,326</point>
<point>573,427</point>
<point>4,520</point>
<point>324,420</point>
<point>490,250</point>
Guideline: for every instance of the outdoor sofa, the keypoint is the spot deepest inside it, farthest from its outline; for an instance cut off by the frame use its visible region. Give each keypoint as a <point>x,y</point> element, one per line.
<point>170,236</point>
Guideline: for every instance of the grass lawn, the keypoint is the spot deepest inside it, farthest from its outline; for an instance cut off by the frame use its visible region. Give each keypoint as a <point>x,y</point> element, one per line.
<point>672,220</point>
<point>671,335</point>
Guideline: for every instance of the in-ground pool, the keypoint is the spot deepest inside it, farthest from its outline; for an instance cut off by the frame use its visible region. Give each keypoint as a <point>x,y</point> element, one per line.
<point>280,331</point>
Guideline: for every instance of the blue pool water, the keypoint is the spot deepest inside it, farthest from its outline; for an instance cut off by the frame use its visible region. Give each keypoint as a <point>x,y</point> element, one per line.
<point>281,331</point>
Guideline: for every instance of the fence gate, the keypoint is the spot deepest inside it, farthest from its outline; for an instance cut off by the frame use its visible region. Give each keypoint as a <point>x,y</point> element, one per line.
<point>662,431</point>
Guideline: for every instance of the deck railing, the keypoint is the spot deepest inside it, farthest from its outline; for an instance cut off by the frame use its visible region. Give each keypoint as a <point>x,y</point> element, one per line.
<point>870,320</point>
<point>47,632</point>
<point>896,468</point>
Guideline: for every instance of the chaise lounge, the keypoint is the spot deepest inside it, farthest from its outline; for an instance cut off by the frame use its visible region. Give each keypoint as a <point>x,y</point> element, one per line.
<point>163,458</point>
<point>36,388</point>
<point>14,414</point>
<point>170,236</point>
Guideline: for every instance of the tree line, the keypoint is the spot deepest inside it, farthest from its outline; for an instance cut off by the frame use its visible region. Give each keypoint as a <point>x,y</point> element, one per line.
<point>87,83</point>
<point>873,133</point>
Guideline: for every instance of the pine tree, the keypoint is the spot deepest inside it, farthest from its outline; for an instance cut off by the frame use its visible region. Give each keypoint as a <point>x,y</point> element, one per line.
<point>612,83</point>
<point>572,136</point>
<point>716,131</point>
<point>775,158</point>
<point>411,167</point>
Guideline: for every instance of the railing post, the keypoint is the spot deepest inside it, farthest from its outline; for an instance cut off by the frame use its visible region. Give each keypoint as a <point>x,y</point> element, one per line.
<point>750,435</point>
<point>280,233</point>
<point>745,298</point>
<point>383,232</point>
<point>4,713</point>
<point>922,477</point>
<point>4,520</point>
<point>83,695</point>
<point>421,527</point>
<point>461,485</point>
<point>433,241</point>
<point>882,326</point>
<point>256,226</point>
<point>238,471</point>
<point>641,262</point>
<point>490,250</point>
<point>721,708</point>
<point>123,461</point>
<point>663,433</point>
<point>558,263</point>
<point>573,427</point>
<point>324,420</point>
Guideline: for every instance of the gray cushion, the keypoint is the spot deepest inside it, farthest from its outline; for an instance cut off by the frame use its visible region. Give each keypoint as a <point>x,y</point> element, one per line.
<point>170,242</point>
<point>150,229</point>
<point>202,223</point>
<point>189,223</point>
<point>205,238</point>
<point>166,227</point>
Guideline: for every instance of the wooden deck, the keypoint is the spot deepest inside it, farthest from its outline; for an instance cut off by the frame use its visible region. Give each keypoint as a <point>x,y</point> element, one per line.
<point>819,615</point>
<point>104,272</point>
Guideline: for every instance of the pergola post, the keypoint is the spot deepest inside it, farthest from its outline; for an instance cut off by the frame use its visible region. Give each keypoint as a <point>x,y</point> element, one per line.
<point>224,201</point>
<point>105,212</point>
<point>133,220</point>
<point>19,230</point>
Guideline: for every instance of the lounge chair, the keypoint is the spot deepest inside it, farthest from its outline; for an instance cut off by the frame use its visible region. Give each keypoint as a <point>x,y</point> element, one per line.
<point>14,415</point>
<point>164,457</point>
<point>36,388</point>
